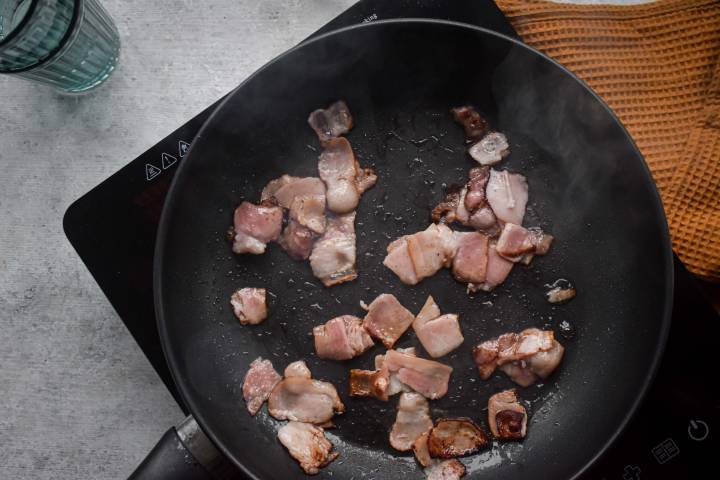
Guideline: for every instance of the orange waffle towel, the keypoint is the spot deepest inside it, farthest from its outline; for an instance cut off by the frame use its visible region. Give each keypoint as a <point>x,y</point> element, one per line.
<point>658,67</point>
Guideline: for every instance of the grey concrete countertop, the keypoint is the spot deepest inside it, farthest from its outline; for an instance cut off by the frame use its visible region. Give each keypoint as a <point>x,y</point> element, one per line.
<point>78,399</point>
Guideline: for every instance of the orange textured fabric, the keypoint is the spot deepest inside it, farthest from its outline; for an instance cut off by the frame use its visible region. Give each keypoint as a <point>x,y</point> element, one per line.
<point>658,67</point>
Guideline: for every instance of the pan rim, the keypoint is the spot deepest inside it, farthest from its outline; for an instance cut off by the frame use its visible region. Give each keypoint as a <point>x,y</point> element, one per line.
<point>162,233</point>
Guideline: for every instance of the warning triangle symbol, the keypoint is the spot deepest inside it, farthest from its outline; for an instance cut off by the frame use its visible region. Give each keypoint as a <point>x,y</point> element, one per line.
<point>168,160</point>
<point>183,147</point>
<point>151,171</point>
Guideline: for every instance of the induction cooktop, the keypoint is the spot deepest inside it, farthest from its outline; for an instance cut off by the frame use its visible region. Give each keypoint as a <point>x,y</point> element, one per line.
<point>113,229</point>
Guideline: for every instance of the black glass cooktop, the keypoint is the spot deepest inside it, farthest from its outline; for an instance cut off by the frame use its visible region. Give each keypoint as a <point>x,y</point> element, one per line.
<point>113,229</point>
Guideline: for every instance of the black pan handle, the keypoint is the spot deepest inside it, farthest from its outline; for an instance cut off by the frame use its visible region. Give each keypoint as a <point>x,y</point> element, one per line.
<point>184,453</point>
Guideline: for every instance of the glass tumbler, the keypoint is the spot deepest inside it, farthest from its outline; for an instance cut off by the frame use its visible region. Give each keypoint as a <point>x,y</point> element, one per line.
<point>72,45</point>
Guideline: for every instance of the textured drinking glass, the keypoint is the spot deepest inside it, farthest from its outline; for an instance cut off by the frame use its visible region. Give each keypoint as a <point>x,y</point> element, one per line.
<point>72,45</point>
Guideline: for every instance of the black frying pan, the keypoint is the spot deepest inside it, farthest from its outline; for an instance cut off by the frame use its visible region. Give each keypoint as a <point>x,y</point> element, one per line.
<point>588,186</point>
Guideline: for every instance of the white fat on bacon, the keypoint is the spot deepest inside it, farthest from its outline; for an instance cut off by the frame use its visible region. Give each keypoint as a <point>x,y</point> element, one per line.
<point>491,149</point>
<point>413,419</point>
<point>307,444</point>
<point>249,305</point>
<point>438,334</point>
<point>507,194</point>
<point>297,369</point>
<point>304,400</point>
<point>341,338</point>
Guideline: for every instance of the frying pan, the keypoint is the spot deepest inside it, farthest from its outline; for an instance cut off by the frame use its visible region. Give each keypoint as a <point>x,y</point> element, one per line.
<point>588,186</point>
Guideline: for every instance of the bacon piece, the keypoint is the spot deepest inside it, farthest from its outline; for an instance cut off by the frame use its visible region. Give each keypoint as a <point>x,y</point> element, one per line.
<point>506,417</point>
<point>420,255</point>
<point>524,356</point>
<point>341,338</point>
<point>455,437</point>
<point>516,242</point>
<point>249,305</point>
<point>426,377</point>
<point>307,444</point>
<point>395,386</point>
<point>420,449</point>
<point>260,379</point>
<point>331,122</point>
<point>297,241</point>
<point>387,319</point>
<point>309,211</point>
<point>304,400</point>
<point>471,260</point>
<point>286,188</point>
<point>438,334</point>
<point>468,206</point>
<point>413,419</point>
<point>507,194</point>
<point>333,256</point>
<point>339,170</point>
<point>475,126</point>
<point>370,383</point>
<point>491,149</point>
<point>451,469</point>
<point>254,226</point>
<point>498,269</point>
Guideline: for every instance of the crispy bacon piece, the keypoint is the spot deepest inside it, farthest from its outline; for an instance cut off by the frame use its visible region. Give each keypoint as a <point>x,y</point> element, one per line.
<point>413,419</point>
<point>260,379</point>
<point>370,383</point>
<point>249,305</point>
<point>341,338</point>
<point>307,444</point>
<point>506,417</point>
<point>455,437</point>
<point>475,126</point>
<point>387,319</point>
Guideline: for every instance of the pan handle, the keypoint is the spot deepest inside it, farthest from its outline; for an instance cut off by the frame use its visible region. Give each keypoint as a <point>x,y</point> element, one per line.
<point>184,453</point>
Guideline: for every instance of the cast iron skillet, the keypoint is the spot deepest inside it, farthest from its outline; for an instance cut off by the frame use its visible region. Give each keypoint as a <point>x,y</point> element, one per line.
<point>588,186</point>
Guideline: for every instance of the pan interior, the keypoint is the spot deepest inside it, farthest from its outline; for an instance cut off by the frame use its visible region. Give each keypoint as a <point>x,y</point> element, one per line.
<point>588,186</point>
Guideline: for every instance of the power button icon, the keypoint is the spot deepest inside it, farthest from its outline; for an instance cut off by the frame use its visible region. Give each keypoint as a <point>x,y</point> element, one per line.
<point>698,430</point>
